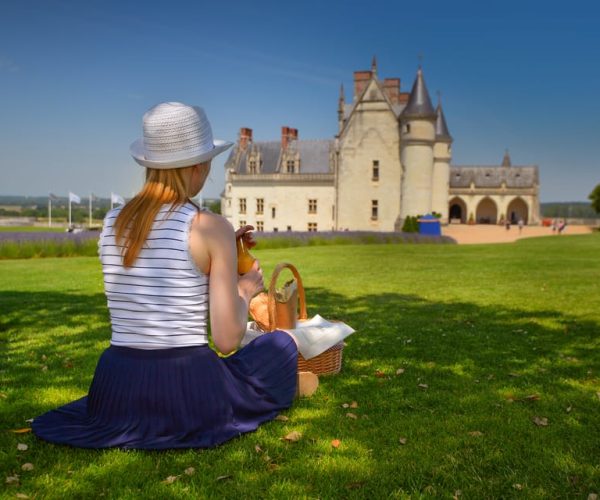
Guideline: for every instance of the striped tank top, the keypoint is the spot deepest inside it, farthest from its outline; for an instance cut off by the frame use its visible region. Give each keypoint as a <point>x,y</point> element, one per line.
<point>161,301</point>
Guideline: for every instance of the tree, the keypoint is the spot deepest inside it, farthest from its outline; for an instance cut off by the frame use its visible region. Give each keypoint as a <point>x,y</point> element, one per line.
<point>595,198</point>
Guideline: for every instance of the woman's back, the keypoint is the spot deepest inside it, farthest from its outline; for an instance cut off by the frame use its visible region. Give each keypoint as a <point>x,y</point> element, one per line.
<point>162,300</point>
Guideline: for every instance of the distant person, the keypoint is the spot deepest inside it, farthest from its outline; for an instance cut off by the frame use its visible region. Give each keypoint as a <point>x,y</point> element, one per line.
<point>554,226</point>
<point>521,224</point>
<point>562,226</point>
<point>170,268</point>
<point>507,225</point>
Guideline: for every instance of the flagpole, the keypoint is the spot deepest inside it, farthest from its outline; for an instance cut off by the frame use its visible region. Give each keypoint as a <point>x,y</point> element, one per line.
<point>49,211</point>
<point>69,211</point>
<point>91,194</point>
<point>111,200</point>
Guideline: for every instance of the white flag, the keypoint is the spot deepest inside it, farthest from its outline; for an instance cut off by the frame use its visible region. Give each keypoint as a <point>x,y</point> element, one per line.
<point>115,198</point>
<point>73,198</point>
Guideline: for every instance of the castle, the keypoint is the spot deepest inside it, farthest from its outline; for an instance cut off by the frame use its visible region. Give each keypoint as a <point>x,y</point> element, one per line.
<point>390,159</point>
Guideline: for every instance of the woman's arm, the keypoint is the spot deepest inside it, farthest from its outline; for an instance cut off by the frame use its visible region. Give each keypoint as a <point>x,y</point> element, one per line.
<point>229,294</point>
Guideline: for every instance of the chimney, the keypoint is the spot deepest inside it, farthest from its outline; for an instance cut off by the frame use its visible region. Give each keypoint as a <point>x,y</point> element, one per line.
<point>293,134</point>
<point>285,135</point>
<point>361,79</point>
<point>404,96</point>
<point>391,87</point>
<point>245,137</point>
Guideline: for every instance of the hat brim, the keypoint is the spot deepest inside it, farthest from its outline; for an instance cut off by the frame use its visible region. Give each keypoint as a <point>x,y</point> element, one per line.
<point>137,151</point>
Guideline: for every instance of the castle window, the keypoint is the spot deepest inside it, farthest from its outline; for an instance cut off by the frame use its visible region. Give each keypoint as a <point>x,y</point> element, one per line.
<point>374,209</point>
<point>275,229</point>
<point>252,166</point>
<point>312,206</point>
<point>272,212</point>
<point>407,128</point>
<point>290,166</point>
<point>312,227</point>
<point>375,175</point>
<point>260,205</point>
<point>242,205</point>
<point>260,226</point>
<point>242,223</point>
<point>289,228</point>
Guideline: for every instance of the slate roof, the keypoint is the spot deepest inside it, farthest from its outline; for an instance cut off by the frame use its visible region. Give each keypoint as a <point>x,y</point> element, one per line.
<point>492,176</point>
<point>314,156</point>
<point>441,127</point>
<point>419,103</point>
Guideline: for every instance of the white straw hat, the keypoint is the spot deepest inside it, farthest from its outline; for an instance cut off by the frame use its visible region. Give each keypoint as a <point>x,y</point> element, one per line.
<point>176,135</point>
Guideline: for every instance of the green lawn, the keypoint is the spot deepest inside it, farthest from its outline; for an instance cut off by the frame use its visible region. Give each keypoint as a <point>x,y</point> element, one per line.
<point>481,328</point>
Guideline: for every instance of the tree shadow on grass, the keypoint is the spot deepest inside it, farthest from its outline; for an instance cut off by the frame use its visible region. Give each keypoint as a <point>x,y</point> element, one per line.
<point>461,402</point>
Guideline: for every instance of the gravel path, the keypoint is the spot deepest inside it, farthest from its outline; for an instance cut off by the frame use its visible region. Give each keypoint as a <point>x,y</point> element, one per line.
<point>483,233</point>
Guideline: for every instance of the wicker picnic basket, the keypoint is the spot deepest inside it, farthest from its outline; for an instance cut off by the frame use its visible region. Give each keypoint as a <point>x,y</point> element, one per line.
<point>328,362</point>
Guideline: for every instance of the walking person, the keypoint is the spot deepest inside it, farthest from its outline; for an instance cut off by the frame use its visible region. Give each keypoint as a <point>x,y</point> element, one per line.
<point>170,268</point>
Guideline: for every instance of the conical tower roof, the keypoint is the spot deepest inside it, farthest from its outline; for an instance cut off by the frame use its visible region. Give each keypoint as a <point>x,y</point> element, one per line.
<point>506,160</point>
<point>441,127</point>
<point>419,103</point>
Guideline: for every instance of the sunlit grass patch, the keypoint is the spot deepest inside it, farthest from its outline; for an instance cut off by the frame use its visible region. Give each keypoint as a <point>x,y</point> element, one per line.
<point>488,339</point>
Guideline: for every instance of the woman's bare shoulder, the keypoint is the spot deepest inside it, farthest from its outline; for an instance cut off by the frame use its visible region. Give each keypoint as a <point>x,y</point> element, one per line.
<point>213,224</point>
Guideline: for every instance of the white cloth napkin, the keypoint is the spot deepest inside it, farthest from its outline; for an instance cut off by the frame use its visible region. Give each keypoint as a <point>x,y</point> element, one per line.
<point>314,335</point>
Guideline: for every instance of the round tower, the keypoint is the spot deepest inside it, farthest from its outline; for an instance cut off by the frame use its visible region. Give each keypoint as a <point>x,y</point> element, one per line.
<point>442,154</point>
<point>417,136</point>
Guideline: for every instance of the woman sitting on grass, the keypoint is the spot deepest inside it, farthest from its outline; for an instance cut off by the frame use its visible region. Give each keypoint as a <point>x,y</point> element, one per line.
<point>169,267</point>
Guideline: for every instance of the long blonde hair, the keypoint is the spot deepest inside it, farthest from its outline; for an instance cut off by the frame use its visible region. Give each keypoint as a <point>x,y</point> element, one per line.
<point>135,220</point>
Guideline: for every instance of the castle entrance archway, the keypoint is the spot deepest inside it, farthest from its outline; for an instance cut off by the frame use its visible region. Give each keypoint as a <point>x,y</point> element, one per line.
<point>517,209</point>
<point>457,211</point>
<point>487,212</point>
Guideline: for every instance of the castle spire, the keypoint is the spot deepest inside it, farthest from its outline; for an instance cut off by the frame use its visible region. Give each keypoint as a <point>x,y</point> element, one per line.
<point>374,66</point>
<point>506,160</point>
<point>441,127</point>
<point>419,103</point>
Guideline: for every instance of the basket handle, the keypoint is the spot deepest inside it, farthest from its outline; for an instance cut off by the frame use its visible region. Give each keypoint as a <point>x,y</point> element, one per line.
<point>271,295</point>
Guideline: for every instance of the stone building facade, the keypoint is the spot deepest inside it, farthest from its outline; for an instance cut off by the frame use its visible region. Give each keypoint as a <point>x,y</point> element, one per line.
<point>390,159</point>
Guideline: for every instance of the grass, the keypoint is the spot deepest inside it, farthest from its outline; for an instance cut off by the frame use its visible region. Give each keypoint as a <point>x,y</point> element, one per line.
<point>482,326</point>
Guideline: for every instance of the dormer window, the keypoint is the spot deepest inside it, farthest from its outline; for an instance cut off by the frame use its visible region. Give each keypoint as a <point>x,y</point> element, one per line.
<point>290,164</point>
<point>252,166</point>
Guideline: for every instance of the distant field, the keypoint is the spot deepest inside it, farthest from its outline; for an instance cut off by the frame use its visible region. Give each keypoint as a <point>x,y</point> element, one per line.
<point>31,229</point>
<point>475,371</point>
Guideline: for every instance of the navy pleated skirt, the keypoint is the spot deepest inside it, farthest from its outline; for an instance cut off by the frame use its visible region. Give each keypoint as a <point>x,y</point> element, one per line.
<point>177,398</point>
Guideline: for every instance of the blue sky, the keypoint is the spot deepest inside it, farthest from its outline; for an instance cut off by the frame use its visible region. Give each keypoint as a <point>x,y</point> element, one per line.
<point>76,77</point>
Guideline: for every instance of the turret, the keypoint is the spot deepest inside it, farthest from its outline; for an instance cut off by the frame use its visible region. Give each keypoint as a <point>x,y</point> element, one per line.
<point>417,129</point>
<point>442,154</point>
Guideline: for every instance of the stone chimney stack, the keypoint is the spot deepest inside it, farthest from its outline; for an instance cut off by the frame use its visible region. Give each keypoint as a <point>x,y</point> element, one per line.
<point>361,80</point>
<point>391,87</point>
<point>285,137</point>
<point>245,137</point>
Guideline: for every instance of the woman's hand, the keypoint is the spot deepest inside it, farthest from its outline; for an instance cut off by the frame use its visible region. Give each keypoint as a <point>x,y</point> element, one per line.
<point>245,233</point>
<point>251,283</point>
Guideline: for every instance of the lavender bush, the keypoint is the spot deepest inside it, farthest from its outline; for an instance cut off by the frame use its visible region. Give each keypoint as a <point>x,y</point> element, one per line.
<point>23,245</point>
